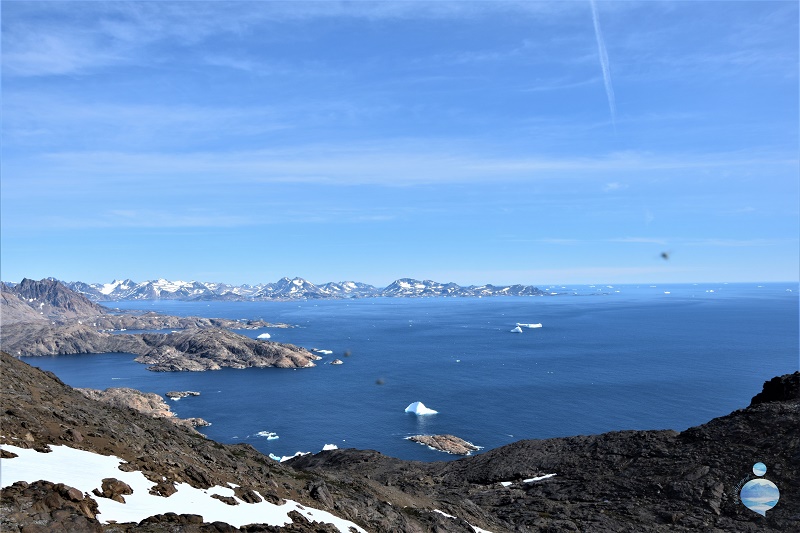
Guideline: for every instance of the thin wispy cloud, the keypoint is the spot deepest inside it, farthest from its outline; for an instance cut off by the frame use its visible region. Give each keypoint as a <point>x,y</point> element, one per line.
<point>392,164</point>
<point>639,240</point>
<point>739,243</point>
<point>614,186</point>
<point>601,52</point>
<point>558,85</point>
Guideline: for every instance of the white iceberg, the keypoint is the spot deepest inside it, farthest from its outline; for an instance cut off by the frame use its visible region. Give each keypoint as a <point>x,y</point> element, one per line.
<point>516,330</point>
<point>418,408</point>
<point>264,336</point>
<point>529,326</point>
<point>323,352</point>
<point>269,434</point>
<point>330,447</point>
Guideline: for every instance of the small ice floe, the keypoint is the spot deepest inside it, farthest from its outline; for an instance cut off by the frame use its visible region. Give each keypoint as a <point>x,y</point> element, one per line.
<point>667,292</point>
<point>529,326</point>
<point>516,330</point>
<point>418,408</point>
<point>264,336</point>
<point>330,447</point>
<point>323,352</point>
<point>268,434</point>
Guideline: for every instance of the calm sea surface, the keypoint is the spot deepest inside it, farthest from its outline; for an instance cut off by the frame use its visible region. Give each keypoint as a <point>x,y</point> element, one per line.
<point>606,358</point>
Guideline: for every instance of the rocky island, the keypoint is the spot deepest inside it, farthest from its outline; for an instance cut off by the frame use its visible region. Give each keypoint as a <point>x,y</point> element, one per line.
<point>446,443</point>
<point>177,395</point>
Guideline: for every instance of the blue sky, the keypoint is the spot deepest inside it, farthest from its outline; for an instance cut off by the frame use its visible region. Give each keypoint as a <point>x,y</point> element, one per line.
<point>474,142</point>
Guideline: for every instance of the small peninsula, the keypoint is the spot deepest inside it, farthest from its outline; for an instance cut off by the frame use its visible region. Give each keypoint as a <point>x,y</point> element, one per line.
<point>446,443</point>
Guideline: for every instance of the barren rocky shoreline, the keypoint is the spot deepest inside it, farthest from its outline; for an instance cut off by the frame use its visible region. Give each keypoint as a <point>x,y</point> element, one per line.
<point>71,324</point>
<point>619,481</point>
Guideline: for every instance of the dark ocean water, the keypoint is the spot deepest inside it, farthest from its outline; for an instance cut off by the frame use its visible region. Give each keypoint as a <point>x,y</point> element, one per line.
<point>606,358</point>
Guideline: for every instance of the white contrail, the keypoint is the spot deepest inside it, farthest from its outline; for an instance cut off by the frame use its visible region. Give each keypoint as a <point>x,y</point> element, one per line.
<point>601,49</point>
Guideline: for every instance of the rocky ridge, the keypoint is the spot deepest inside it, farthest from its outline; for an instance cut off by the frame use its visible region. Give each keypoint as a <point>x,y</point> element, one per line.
<point>288,289</point>
<point>52,299</point>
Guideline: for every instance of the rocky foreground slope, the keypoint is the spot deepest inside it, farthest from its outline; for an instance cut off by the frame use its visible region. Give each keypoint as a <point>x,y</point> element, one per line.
<point>619,481</point>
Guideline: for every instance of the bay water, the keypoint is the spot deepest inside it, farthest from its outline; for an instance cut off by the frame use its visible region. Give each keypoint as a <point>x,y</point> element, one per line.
<point>606,358</point>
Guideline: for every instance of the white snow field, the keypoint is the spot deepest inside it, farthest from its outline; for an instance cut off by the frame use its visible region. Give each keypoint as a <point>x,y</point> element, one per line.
<point>86,470</point>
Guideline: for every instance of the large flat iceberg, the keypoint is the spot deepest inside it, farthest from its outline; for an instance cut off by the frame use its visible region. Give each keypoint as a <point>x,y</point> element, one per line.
<point>264,336</point>
<point>418,408</point>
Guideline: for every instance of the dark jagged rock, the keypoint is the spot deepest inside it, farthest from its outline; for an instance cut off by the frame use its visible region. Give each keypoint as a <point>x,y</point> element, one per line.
<point>779,389</point>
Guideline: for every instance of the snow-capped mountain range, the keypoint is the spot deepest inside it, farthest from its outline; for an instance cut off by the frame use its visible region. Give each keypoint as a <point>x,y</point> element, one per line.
<point>285,289</point>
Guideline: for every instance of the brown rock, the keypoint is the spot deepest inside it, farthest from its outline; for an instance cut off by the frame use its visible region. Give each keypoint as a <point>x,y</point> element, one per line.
<point>446,443</point>
<point>114,489</point>
<point>163,488</point>
<point>227,499</point>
